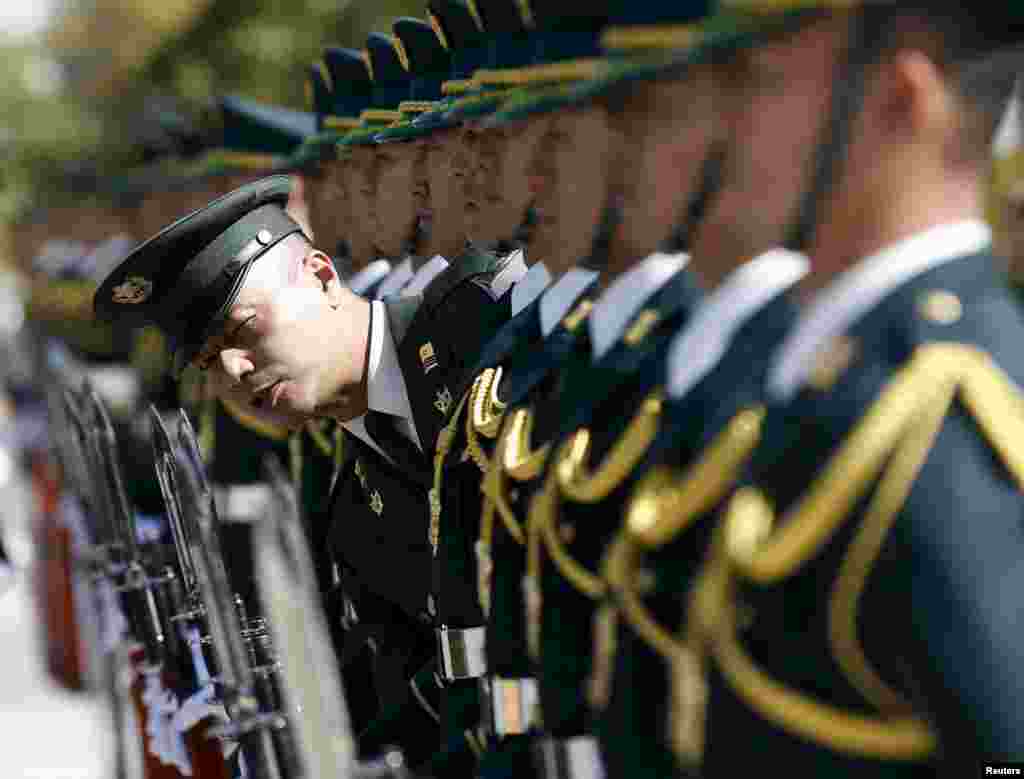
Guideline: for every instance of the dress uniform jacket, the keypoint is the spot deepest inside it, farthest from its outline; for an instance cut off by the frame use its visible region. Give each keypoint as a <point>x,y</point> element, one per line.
<point>712,413</point>
<point>524,356</point>
<point>615,397</point>
<point>380,504</point>
<point>880,629</point>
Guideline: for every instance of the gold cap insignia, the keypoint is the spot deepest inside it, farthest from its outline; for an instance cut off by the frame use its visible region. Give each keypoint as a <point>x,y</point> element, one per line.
<point>133,290</point>
<point>443,402</point>
<point>941,307</point>
<point>427,357</point>
<point>832,362</point>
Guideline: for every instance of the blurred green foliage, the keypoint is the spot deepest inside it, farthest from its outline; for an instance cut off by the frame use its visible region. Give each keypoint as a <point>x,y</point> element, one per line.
<point>108,74</point>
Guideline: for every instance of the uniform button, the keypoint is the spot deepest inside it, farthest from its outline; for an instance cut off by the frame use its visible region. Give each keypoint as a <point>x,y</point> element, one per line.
<point>941,307</point>
<point>264,237</point>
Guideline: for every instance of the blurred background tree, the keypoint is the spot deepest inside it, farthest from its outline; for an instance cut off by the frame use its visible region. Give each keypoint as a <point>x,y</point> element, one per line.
<point>102,86</point>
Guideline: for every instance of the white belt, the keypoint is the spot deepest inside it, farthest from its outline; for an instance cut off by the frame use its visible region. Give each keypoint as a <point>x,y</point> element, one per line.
<point>462,653</point>
<point>241,502</point>
<point>509,707</point>
<point>569,758</point>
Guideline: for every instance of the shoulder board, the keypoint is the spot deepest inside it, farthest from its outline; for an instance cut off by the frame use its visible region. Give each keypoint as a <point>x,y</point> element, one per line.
<point>470,265</point>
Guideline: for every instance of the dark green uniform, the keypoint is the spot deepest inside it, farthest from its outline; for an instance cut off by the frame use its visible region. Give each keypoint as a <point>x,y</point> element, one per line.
<point>894,627</point>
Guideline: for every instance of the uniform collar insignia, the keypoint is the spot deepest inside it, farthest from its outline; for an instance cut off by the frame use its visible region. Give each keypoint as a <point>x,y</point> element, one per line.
<point>443,402</point>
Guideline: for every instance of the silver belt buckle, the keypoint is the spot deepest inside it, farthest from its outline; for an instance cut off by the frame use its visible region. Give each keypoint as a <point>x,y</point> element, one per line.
<point>510,706</point>
<point>241,502</point>
<point>462,653</point>
<point>569,758</point>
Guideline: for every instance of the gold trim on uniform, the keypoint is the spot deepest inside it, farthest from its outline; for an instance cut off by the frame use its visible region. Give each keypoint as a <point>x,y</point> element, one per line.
<point>665,502</point>
<point>376,503</point>
<point>641,327</point>
<point>886,448</point>
<point>569,466</point>
<point>649,37</point>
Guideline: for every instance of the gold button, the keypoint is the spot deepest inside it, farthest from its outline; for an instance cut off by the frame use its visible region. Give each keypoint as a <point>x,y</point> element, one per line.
<point>832,362</point>
<point>264,237</point>
<point>941,307</point>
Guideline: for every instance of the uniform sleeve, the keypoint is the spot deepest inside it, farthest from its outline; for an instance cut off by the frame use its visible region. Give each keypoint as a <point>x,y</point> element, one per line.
<point>955,561</point>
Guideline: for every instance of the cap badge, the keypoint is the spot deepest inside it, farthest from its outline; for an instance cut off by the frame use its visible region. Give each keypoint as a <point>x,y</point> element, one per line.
<point>133,290</point>
<point>427,357</point>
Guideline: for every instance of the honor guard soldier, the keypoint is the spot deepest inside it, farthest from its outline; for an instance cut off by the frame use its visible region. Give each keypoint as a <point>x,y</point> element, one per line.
<point>857,612</point>
<point>339,87</point>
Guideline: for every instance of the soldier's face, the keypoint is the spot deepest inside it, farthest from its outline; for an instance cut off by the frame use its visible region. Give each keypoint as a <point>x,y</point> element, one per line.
<point>667,135</point>
<point>502,188</point>
<point>570,182</point>
<point>281,355</point>
<point>358,174</point>
<point>399,195</point>
<point>328,209</point>
<point>778,98</point>
<point>443,220</point>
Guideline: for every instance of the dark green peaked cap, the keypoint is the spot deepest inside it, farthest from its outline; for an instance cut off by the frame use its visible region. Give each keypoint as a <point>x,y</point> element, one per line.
<point>185,278</point>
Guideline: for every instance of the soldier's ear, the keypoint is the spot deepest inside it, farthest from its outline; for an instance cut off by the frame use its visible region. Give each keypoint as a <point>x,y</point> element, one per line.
<point>319,265</point>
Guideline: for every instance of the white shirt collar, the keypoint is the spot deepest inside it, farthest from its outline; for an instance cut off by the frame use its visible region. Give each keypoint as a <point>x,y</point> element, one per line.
<point>426,274</point>
<point>858,289</point>
<point>561,295</point>
<point>700,346</point>
<point>526,290</point>
<point>368,276</point>
<point>624,297</point>
<point>514,270</point>
<point>399,276</point>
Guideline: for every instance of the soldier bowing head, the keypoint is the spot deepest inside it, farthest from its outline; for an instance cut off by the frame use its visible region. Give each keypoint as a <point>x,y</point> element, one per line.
<point>243,294</point>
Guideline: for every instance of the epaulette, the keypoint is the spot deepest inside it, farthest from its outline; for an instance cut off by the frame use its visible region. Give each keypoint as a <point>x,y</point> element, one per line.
<point>470,265</point>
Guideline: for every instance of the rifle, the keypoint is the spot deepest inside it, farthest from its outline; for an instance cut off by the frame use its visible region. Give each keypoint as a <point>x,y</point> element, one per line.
<point>251,725</point>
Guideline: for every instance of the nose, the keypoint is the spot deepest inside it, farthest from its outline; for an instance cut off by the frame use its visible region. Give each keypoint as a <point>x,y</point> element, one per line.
<point>236,364</point>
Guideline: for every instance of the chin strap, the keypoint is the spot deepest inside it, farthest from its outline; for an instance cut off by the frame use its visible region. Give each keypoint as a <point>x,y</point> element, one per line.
<point>600,246</point>
<point>708,187</point>
<point>865,41</point>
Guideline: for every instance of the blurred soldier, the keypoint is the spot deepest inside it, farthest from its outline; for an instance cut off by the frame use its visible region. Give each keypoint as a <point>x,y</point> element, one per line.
<point>856,611</point>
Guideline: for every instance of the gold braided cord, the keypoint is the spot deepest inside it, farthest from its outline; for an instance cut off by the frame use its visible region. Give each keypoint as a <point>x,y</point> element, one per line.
<point>892,492</point>
<point>543,504</point>
<point>295,459</point>
<point>990,396</point>
<point>581,580</point>
<point>493,489</point>
<point>481,386</point>
<point>487,408</point>
<point>582,486</point>
<point>323,443</point>
<point>666,503</point>
<point>620,566</point>
<point>889,446</point>
<point>445,439</point>
<point>517,458</point>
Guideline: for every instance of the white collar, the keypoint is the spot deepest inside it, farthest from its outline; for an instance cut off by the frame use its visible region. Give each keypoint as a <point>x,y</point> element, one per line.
<point>625,296</point>
<point>368,276</point>
<point>858,289</point>
<point>700,346</point>
<point>561,295</point>
<point>526,290</point>
<point>426,274</point>
<point>399,276</point>
<point>514,270</point>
